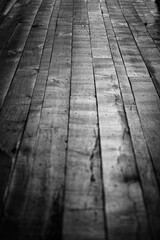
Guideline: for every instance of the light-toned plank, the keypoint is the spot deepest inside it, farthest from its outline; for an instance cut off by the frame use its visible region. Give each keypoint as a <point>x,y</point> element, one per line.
<point>83,206</point>
<point>121,181</point>
<point>143,159</point>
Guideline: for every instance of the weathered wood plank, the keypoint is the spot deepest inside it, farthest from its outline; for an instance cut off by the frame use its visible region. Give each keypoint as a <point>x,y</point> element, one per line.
<point>15,110</point>
<point>10,21</point>
<point>40,164</point>
<point>8,6</point>
<point>12,43</point>
<point>83,206</point>
<point>11,54</point>
<point>143,159</point>
<point>20,94</point>
<point>121,181</point>
<point>112,158</point>
<point>144,38</point>
<point>148,105</point>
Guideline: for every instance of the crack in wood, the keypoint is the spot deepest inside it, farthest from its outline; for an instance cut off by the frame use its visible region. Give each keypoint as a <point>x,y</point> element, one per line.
<point>95,151</point>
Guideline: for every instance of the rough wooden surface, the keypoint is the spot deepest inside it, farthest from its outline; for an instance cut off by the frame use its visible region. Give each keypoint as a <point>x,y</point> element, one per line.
<point>79,120</point>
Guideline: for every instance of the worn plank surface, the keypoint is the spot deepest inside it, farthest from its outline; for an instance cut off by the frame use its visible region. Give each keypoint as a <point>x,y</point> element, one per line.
<point>83,206</point>
<point>79,120</point>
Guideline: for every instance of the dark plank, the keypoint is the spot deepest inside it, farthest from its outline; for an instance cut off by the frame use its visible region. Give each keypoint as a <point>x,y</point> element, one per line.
<point>7,6</point>
<point>144,35</point>
<point>34,209</point>
<point>12,52</point>
<point>15,109</point>
<point>20,93</point>
<point>10,21</point>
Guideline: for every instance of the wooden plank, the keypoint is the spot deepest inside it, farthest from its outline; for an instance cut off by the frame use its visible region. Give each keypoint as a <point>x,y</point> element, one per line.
<point>12,53</point>
<point>14,113</point>
<point>8,6</point>
<point>83,206</point>
<point>20,94</point>
<point>41,159</point>
<point>145,41</point>
<point>143,159</point>
<point>121,181</point>
<point>148,105</point>
<point>10,22</point>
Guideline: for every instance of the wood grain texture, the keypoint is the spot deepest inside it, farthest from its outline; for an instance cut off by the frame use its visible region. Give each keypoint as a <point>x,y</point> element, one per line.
<point>143,159</point>
<point>21,91</point>
<point>42,166</point>
<point>83,206</point>
<point>119,171</point>
<point>79,120</point>
<point>11,50</point>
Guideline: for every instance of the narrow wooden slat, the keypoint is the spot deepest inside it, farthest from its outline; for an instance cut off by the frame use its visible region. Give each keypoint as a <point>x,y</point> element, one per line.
<point>41,161</point>
<point>143,159</point>
<point>121,181</point>
<point>147,101</point>
<point>15,110</point>
<point>9,23</point>
<point>9,60</point>
<point>19,96</point>
<point>145,40</point>
<point>12,52</point>
<point>122,187</point>
<point>12,43</point>
<point>144,91</point>
<point>8,6</point>
<point>83,207</point>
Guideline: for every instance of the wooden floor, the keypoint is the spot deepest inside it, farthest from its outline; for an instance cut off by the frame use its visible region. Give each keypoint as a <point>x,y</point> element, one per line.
<point>79,120</point>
